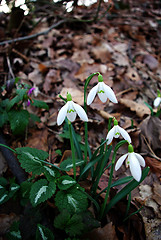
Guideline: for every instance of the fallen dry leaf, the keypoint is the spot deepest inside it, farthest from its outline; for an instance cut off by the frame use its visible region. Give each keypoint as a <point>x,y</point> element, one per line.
<point>140,109</point>
<point>106,233</point>
<point>151,62</point>
<point>77,95</point>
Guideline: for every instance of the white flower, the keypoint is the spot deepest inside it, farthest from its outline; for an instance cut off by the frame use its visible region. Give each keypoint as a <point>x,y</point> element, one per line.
<point>134,160</point>
<point>103,92</point>
<point>157,102</point>
<point>70,110</point>
<point>115,132</point>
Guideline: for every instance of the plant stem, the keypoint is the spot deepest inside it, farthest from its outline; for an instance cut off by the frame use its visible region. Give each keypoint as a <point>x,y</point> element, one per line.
<point>7,147</point>
<point>72,149</point>
<point>108,188</point>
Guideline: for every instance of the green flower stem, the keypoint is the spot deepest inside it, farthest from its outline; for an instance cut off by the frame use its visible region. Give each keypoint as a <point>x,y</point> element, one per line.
<point>2,145</point>
<point>102,212</point>
<point>95,185</point>
<point>108,188</point>
<point>72,149</point>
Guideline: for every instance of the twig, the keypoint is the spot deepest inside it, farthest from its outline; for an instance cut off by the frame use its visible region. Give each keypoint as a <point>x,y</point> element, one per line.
<point>152,152</point>
<point>34,35</point>
<point>10,68</point>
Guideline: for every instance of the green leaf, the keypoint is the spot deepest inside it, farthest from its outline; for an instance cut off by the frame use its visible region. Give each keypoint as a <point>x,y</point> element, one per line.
<point>126,190</point>
<point>50,173</point>
<point>40,104</point>
<point>67,164</point>
<point>13,189</point>
<point>41,191</point>
<point>62,219</point>
<point>72,199</point>
<point>30,159</point>
<point>18,121</point>
<point>3,118</point>
<point>72,225</point>
<point>43,233</point>
<point>14,233</point>
<point>17,98</point>
<point>66,182</point>
<point>34,118</point>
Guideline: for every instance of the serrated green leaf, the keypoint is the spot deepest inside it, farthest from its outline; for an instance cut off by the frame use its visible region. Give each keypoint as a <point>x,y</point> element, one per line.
<point>34,118</point>
<point>13,189</point>
<point>4,196</point>
<point>41,191</point>
<point>40,104</point>
<point>29,159</point>
<point>18,121</point>
<point>71,224</point>
<point>75,225</point>
<point>50,173</point>
<point>17,98</point>
<point>3,182</point>
<point>72,199</point>
<point>65,182</point>
<point>43,233</point>
<point>3,118</point>
<point>62,219</point>
<point>67,164</point>
<point>14,233</point>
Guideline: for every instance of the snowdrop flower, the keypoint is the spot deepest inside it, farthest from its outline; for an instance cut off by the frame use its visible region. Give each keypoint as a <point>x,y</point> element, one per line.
<point>70,110</point>
<point>134,160</point>
<point>115,132</point>
<point>103,92</point>
<point>157,101</point>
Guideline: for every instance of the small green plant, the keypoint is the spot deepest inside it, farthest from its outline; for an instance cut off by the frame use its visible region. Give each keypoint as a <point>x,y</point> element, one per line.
<point>13,110</point>
<point>52,183</point>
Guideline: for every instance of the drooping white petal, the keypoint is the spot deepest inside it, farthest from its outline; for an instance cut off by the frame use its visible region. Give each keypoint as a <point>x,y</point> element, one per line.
<point>101,93</point>
<point>110,135</point>
<point>92,95</point>
<point>124,134</point>
<point>157,102</point>
<point>71,113</point>
<point>117,132</point>
<point>80,111</point>
<point>110,93</point>
<point>62,114</point>
<point>120,161</point>
<point>102,97</point>
<point>140,159</point>
<point>135,168</point>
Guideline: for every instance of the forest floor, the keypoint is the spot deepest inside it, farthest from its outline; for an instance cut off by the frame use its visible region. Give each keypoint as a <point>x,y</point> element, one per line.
<point>124,45</point>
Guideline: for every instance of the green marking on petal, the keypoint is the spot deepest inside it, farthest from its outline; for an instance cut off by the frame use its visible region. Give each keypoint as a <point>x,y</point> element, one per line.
<point>128,162</point>
<point>117,133</point>
<point>101,91</point>
<point>71,110</point>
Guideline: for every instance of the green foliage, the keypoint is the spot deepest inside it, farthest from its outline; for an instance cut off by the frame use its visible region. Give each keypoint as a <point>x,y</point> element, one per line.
<point>67,164</point>
<point>30,159</point>
<point>50,173</point>
<point>14,233</point>
<point>12,110</point>
<point>72,199</point>
<point>43,233</point>
<point>71,224</point>
<point>18,120</point>
<point>40,104</point>
<point>65,182</point>
<point>7,191</point>
<point>41,191</point>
